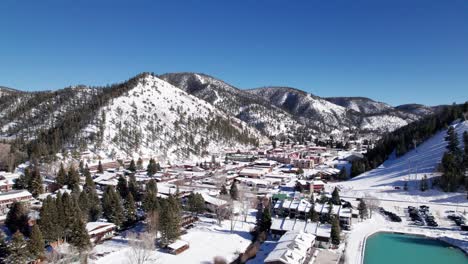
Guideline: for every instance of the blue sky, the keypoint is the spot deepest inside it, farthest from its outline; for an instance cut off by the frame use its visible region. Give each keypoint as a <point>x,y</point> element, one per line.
<point>393,51</point>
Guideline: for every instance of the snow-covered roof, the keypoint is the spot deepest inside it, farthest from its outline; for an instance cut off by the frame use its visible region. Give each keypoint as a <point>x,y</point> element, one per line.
<point>292,248</point>
<point>98,227</point>
<point>178,244</point>
<point>16,194</point>
<point>212,200</point>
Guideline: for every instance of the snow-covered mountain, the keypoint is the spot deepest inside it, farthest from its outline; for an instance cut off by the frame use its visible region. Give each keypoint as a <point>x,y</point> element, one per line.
<point>142,116</point>
<point>252,109</point>
<point>155,118</point>
<point>338,114</point>
<point>179,115</point>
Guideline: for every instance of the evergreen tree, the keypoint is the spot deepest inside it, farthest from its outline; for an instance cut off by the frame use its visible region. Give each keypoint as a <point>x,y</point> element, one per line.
<point>112,206</point>
<point>84,204</point>
<point>266,220</point>
<point>60,216</point>
<point>139,164</point>
<point>336,197</point>
<point>169,219</point>
<point>224,190</point>
<point>36,243</point>
<point>452,138</point>
<point>73,178</point>
<point>130,210</point>
<point>70,212</point>
<point>150,199</point>
<point>100,169</point>
<point>86,171</point>
<point>94,203</point>
<point>151,169</point>
<point>61,178</point>
<point>234,192</point>
<point>23,181</point>
<point>35,187</point>
<point>313,215</point>
<point>298,187</point>
<point>49,221</point>
<point>17,218</point>
<point>132,166</point>
<point>335,231</point>
<point>465,152</point>
<point>196,203</point>
<point>79,237</point>
<point>133,188</point>
<point>362,208</point>
<point>122,187</point>
<point>17,248</point>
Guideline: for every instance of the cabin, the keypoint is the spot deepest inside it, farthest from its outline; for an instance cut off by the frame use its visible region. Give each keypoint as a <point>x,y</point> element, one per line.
<point>178,247</point>
<point>100,231</point>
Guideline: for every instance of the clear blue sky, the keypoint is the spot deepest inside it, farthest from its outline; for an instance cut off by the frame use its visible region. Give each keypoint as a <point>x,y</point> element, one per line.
<point>393,51</point>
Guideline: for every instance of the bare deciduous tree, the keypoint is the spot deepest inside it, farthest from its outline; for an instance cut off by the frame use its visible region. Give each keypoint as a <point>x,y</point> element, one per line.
<point>372,203</point>
<point>141,248</point>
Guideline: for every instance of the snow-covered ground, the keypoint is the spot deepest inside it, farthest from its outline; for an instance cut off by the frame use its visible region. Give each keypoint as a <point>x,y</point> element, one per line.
<point>206,239</point>
<point>387,181</point>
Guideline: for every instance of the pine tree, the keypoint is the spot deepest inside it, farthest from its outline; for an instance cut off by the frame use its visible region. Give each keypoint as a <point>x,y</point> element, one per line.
<point>73,178</point>
<point>60,215</point>
<point>61,178</point>
<point>224,190</point>
<point>266,220</point>
<point>336,197</point>
<point>23,181</point>
<point>84,204</point>
<point>234,192</point>
<point>112,206</point>
<point>130,210</point>
<point>335,231</point>
<point>17,249</point>
<point>133,188</point>
<point>36,243</point>
<point>139,164</point>
<point>81,166</point>
<point>362,208</point>
<point>79,237</point>
<point>35,187</point>
<point>313,215</point>
<point>132,166</point>
<point>94,203</point>
<point>17,218</point>
<point>71,212</point>
<point>196,203</point>
<point>169,220</point>
<point>49,221</point>
<point>150,199</point>
<point>465,150</point>
<point>452,139</point>
<point>122,187</point>
<point>100,169</point>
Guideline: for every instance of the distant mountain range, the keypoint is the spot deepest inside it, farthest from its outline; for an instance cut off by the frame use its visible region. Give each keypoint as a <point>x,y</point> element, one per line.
<point>183,115</point>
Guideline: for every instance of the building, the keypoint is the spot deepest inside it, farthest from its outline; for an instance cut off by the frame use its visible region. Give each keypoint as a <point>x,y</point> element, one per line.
<point>303,163</point>
<point>178,247</point>
<point>294,247</point>
<point>100,231</point>
<point>253,172</point>
<point>8,198</point>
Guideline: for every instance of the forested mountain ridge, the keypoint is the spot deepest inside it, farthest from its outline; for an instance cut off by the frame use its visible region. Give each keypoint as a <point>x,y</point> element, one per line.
<point>355,114</point>
<point>252,109</point>
<point>144,115</point>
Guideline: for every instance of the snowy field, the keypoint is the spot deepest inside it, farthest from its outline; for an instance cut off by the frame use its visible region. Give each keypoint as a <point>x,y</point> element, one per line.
<point>387,181</point>
<point>206,239</point>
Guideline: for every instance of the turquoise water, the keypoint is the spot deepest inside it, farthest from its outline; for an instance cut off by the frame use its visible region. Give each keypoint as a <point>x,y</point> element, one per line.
<point>387,248</point>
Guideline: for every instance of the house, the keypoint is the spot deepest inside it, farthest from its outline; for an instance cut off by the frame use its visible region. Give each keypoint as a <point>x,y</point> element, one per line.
<point>100,231</point>
<point>6,185</point>
<point>178,247</point>
<point>212,203</point>
<point>8,198</point>
<point>294,247</point>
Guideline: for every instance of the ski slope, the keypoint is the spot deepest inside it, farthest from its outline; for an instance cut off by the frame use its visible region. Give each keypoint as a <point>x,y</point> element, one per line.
<point>387,181</point>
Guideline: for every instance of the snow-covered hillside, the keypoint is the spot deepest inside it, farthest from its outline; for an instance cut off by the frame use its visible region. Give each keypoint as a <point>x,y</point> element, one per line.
<point>157,119</point>
<point>338,113</point>
<point>252,109</point>
<point>383,181</point>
